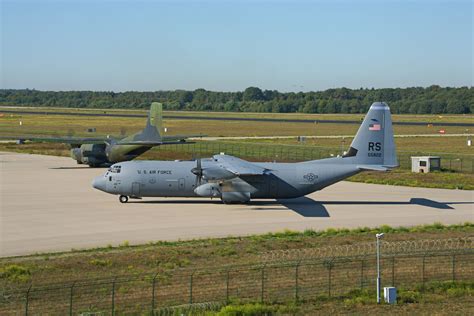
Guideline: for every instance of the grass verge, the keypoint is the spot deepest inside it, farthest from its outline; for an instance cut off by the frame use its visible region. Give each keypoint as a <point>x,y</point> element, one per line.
<point>163,256</point>
<point>441,180</point>
<point>437,298</point>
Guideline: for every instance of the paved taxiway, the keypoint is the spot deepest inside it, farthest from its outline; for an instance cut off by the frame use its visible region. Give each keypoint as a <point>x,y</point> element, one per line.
<point>47,204</point>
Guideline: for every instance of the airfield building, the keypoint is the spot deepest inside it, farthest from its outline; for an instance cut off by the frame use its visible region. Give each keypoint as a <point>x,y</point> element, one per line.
<point>425,164</point>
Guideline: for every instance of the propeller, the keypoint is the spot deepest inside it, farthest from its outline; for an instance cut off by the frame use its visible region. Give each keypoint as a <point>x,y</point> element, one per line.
<point>198,172</point>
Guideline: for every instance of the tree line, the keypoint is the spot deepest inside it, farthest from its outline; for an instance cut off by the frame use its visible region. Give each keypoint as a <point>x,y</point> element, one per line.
<point>415,100</point>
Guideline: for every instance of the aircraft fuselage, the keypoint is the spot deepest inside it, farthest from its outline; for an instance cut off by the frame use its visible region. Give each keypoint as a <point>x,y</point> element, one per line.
<point>175,179</point>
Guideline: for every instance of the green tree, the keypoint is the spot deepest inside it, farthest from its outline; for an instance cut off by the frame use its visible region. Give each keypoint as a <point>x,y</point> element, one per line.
<point>253,94</point>
<point>455,107</point>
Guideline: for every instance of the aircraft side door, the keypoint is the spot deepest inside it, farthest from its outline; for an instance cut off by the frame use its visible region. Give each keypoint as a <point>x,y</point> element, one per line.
<point>136,188</point>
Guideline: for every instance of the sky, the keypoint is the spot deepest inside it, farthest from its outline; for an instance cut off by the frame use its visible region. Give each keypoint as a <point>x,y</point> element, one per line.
<point>231,45</point>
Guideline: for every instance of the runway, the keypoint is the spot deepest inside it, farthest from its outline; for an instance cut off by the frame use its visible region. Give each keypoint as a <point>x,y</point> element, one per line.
<point>47,204</point>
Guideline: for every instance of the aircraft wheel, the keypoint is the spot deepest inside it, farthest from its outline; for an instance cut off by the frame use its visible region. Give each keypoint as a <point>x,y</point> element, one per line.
<point>123,199</point>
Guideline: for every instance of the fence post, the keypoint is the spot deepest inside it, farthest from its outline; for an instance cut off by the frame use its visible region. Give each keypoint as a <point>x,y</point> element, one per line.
<point>153,294</point>
<point>329,280</point>
<point>453,261</point>
<point>297,267</point>
<point>27,299</point>
<point>361,274</point>
<point>70,298</point>
<point>262,294</point>
<point>227,287</point>
<point>191,287</point>
<point>113,297</point>
<point>329,265</point>
<point>393,271</point>
<point>423,273</point>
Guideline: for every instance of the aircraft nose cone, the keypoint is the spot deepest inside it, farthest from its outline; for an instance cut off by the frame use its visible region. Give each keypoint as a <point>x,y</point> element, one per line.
<point>99,183</point>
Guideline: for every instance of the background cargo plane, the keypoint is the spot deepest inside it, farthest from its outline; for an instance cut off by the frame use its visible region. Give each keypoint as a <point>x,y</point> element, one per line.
<point>235,180</point>
<point>105,151</point>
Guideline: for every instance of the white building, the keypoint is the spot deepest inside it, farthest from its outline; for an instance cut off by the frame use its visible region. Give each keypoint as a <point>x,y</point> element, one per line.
<point>425,164</point>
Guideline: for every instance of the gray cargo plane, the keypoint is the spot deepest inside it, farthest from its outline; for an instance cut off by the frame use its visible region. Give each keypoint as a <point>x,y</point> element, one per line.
<point>234,180</point>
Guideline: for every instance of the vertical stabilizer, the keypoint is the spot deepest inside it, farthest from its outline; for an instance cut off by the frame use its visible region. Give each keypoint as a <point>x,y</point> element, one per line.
<point>374,143</point>
<point>155,116</point>
<point>151,134</point>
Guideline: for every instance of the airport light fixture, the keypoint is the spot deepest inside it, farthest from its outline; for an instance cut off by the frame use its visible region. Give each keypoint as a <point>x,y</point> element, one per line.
<point>378,237</point>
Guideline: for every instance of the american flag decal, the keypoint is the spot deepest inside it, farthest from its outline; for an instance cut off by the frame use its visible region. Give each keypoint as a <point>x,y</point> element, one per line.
<point>374,127</point>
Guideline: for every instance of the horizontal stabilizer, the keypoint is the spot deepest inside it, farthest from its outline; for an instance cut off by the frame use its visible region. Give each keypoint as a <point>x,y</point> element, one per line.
<point>181,137</point>
<point>152,143</point>
<point>373,168</point>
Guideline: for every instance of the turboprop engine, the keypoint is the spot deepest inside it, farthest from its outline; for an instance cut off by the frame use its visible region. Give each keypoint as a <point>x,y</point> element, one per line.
<point>215,190</point>
<point>208,190</point>
<point>212,172</point>
<point>91,154</point>
<point>225,184</point>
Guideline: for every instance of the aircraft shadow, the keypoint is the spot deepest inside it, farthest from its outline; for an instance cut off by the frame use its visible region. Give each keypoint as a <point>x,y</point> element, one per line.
<point>307,207</point>
<point>413,201</point>
<point>69,168</point>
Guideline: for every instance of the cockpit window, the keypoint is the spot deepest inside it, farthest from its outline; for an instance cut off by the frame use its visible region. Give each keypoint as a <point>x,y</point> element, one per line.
<point>115,169</point>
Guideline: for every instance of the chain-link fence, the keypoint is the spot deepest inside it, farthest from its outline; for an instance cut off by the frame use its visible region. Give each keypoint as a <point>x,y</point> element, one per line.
<point>293,153</point>
<point>281,276</point>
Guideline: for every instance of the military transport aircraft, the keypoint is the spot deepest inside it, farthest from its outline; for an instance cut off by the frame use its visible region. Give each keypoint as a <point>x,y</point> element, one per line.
<point>105,151</point>
<point>235,180</point>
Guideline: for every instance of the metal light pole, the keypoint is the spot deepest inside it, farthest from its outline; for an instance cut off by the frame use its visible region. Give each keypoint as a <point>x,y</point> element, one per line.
<point>379,282</point>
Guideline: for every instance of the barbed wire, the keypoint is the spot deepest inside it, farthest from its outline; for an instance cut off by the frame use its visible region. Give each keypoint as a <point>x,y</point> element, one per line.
<point>367,249</point>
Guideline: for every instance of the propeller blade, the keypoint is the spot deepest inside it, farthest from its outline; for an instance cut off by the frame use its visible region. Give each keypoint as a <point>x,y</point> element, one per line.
<point>198,172</point>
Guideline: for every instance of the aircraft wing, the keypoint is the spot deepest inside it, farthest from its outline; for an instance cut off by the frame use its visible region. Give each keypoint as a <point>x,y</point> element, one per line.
<point>65,140</point>
<point>239,166</point>
<point>372,168</point>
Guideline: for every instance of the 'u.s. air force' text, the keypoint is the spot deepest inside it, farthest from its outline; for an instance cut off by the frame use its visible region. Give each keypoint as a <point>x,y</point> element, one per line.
<point>154,171</point>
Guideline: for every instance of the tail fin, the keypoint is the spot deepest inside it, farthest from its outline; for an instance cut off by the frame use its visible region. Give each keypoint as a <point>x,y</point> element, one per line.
<point>374,143</point>
<point>155,116</point>
<point>150,135</point>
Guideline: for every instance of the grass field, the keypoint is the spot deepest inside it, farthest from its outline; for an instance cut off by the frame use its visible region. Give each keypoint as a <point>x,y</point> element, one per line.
<point>124,259</point>
<point>444,180</point>
<point>175,262</point>
<point>67,124</point>
<point>451,118</point>
<point>455,299</point>
<point>428,145</point>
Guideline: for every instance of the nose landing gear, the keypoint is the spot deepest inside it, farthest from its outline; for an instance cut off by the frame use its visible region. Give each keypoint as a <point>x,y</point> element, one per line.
<point>123,199</point>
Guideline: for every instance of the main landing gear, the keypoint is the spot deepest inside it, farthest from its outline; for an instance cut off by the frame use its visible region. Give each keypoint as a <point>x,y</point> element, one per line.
<point>123,199</point>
